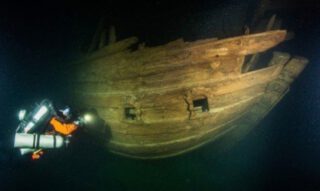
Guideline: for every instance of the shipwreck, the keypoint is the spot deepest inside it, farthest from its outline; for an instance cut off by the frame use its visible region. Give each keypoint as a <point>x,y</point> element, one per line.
<point>166,100</point>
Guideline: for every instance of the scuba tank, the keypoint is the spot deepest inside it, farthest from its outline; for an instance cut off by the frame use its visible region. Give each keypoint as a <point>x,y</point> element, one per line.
<point>35,121</point>
<point>36,141</point>
<point>37,118</point>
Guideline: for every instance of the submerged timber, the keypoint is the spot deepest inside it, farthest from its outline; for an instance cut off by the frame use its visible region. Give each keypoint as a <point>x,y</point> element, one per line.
<point>166,100</point>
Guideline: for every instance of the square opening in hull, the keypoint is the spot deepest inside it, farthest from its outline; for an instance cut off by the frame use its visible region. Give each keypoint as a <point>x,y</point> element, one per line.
<point>201,105</point>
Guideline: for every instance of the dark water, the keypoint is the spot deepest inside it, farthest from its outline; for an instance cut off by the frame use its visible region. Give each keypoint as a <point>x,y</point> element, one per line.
<point>282,153</point>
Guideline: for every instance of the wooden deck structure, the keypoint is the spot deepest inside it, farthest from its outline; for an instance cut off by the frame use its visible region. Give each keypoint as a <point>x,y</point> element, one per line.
<point>166,100</point>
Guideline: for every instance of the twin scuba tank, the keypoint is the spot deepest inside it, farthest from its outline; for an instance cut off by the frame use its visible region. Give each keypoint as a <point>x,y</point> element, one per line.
<point>29,134</point>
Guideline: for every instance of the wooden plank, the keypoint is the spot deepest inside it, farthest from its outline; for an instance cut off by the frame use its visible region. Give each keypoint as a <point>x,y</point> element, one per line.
<point>243,45</point>
<point>172,106</point>
<point>176,129</point>
<point>142,85</point>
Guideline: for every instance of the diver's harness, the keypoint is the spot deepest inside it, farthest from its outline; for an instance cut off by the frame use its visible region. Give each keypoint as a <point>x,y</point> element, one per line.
<point>30,135</point>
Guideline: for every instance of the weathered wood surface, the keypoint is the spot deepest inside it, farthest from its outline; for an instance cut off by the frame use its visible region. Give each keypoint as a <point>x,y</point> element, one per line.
<point>159,87</point>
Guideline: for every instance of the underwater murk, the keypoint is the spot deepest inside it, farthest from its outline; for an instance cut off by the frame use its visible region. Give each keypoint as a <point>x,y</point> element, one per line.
<point>200,95</point>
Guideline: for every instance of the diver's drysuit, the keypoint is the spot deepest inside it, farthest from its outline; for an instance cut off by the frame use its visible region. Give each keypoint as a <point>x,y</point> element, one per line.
<point>33,133</point>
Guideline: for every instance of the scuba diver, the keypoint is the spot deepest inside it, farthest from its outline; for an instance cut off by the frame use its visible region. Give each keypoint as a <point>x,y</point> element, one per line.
<point>45,128</point>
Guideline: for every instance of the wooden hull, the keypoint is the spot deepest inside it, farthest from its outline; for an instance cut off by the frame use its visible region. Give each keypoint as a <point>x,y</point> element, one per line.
<point>167,100</point>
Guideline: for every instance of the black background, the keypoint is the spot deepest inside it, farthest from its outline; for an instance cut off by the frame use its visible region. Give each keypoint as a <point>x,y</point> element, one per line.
<point>282,153</point>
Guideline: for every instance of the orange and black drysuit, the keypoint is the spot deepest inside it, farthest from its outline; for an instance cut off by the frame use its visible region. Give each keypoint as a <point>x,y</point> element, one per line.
<point>63,128</point>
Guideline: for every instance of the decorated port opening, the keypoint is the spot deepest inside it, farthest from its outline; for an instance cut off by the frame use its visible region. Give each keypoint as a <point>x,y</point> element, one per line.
<point>256,62</point>
<point>130,113</point>
<point>200,105</point>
